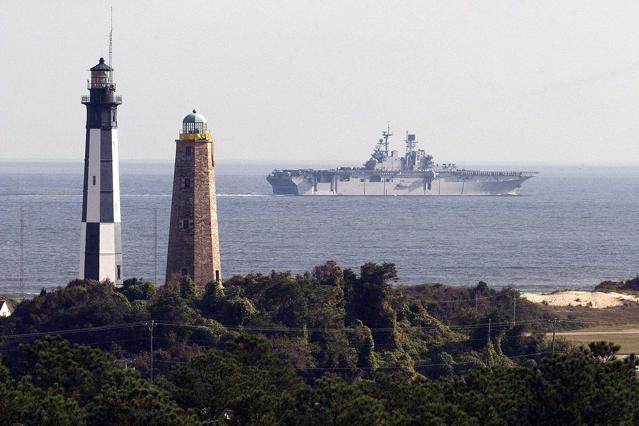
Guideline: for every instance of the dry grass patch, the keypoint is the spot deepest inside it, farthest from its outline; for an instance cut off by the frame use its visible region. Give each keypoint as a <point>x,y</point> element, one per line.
<point>625,335</point>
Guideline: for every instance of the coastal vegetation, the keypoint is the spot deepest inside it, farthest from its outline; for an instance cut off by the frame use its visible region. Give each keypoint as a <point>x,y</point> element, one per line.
<point>329,346</point>
<point>631,285</point>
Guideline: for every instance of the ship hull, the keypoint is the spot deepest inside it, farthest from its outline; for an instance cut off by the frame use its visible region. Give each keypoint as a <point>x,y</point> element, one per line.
<point>451,184</point>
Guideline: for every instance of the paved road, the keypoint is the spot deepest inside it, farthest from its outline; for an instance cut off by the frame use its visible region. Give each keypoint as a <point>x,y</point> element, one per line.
<point>596,333</point>
<point>590,333</point>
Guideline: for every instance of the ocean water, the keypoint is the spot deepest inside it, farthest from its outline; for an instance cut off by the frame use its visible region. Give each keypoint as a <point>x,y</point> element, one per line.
<point>572,227</point>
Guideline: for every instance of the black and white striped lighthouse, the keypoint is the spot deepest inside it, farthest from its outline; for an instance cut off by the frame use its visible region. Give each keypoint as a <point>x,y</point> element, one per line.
<point>101,242</point>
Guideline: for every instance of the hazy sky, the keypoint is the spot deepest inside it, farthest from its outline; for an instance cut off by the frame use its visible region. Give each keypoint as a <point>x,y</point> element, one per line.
<point>487,81</point>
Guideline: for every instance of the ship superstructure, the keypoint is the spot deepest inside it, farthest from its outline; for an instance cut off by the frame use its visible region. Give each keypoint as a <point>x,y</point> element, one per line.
<point>389,173</point>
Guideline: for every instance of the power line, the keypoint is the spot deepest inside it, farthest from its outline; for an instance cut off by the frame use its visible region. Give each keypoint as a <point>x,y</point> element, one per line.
<point>168,324</point>
<point>460,327</point>
<point>416,362</point>
<point>474,299</point>
<point>156,323</point>
<point>16,349</point>
<point>73,330</point>
<point>209,328</point>
<point>151,324</point>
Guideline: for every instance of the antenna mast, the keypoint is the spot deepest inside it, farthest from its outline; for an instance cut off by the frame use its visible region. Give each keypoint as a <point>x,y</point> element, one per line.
<point>386,135</point>
<point>111,41</point>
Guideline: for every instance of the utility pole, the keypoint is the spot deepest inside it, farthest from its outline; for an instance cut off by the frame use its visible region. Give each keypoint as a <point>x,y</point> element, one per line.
<point>21,260</point>
<point>475,302</point>
<point>514,308</point>
<point>489,327</point>
<point>155,246</point>
<point>554,328</point>
<point>150,326</point>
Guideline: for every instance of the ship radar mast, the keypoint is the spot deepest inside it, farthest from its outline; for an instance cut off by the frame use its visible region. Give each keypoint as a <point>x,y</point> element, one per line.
<point>385,135</point>
<point>410,159</point>
<point>381,149</point>
<point>411,142</point>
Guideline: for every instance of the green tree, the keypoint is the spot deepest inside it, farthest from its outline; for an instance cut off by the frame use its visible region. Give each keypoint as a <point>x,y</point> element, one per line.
<point>137,289</point>
<point>601,351</point>
<point>136,402</point>
<point>23,403</point>
<point>79,304</point>
<point>362,340</point>
<point>85,383</point>
<point>228,310</point>
<point>370,301</point>
<point>364,410</point>
<point>245,382</point>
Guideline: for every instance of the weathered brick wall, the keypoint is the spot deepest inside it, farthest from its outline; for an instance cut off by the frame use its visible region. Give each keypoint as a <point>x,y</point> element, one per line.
<point>196,248</point>
<point>207,247</point>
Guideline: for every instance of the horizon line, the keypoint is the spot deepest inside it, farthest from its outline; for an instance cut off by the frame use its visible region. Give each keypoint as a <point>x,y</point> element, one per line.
<point>342,163</point>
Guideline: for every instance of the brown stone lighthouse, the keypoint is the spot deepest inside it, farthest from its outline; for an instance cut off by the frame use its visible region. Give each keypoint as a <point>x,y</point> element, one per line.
<point>194,247</point>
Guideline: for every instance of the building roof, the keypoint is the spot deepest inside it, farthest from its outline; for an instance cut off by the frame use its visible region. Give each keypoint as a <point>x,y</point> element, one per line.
<point>194,117</point>
<point>101,66</point>
<point>8,304</point>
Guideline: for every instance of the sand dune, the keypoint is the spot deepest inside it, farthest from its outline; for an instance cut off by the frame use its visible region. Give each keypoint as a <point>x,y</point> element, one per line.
<point>593,299</point>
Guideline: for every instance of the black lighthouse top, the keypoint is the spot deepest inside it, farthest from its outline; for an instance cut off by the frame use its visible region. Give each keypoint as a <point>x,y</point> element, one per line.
<point>101,87</point>
<point>101,66</point>
<point>101,76</point>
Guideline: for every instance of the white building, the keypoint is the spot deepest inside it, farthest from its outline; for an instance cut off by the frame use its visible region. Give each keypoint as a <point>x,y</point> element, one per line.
<point>5,308</point>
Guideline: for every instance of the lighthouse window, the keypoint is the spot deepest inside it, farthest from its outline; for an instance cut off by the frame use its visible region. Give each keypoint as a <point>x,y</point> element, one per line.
<point>187,224</point>
<point>217,275</point>
<point>186,182</point>
<point>119,271</point>
<point>188,151</point>
<point>93,180</point>
<point>106,118</point>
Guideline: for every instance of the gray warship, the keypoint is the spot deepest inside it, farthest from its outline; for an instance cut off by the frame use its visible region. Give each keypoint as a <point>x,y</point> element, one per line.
<point>388,173</point>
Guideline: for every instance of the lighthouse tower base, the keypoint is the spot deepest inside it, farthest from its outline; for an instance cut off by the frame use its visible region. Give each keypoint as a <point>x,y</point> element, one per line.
<point>194,247</point>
